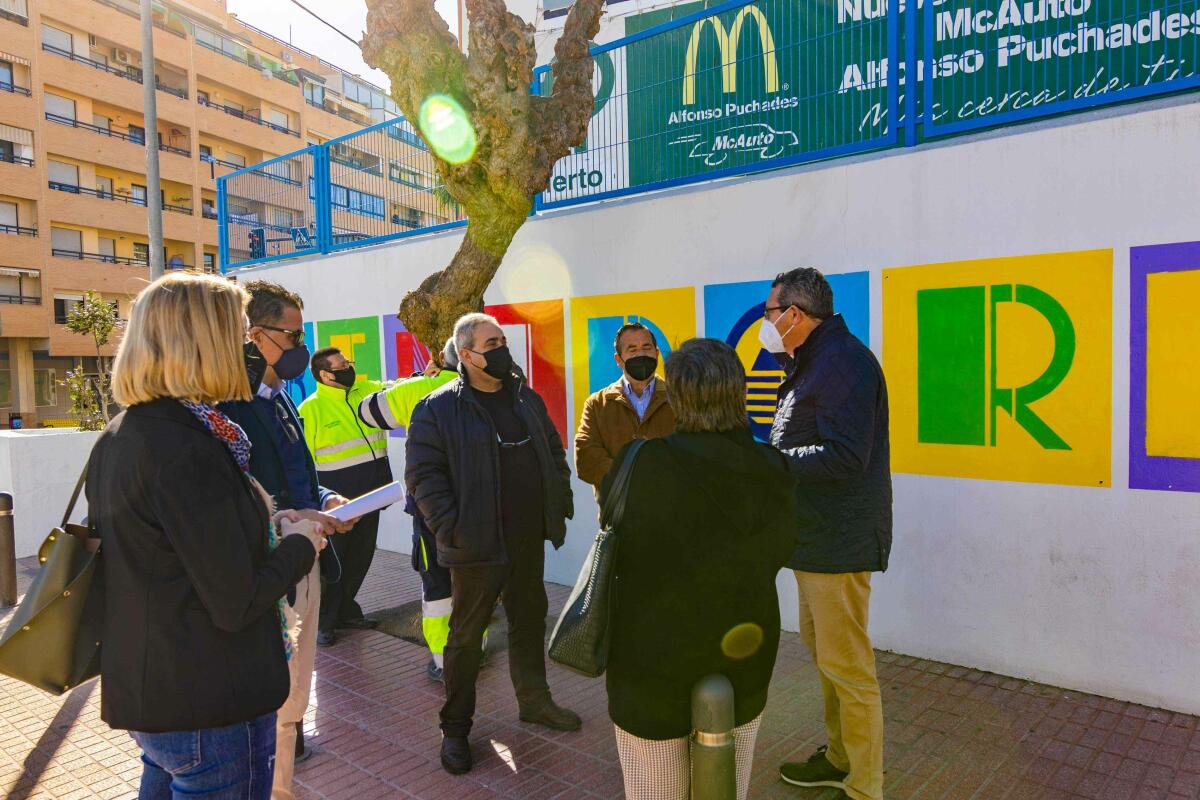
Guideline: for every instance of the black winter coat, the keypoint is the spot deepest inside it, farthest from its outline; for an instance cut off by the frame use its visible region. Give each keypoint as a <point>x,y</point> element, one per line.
<point>709,522</point>
<point>192,635</point>
<point>452,470</point>
<point>832,425</point>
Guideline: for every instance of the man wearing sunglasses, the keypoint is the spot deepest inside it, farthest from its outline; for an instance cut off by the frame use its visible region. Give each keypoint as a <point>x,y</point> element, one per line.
<point>279,460</point>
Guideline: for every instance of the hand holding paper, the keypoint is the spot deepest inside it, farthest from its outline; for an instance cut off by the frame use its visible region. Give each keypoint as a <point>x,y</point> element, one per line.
<point>382,497</point>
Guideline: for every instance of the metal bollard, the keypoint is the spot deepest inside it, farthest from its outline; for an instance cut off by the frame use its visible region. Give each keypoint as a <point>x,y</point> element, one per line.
<point>714,762</point>
<point>8,552</point>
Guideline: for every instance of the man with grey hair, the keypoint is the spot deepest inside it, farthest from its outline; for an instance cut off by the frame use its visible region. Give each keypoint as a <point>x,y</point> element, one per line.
<point>831,424</point>
<point>489,475</point>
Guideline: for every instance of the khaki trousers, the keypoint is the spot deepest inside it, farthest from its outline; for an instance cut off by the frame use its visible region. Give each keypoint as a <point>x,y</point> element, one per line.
<point>833,624</point>
<point>302,629</point>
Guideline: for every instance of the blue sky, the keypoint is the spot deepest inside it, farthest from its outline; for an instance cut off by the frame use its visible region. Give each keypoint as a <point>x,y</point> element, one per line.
<point>283,19</point>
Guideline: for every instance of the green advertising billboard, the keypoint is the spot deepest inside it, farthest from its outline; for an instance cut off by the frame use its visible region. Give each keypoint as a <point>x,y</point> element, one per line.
<point>753,84</point>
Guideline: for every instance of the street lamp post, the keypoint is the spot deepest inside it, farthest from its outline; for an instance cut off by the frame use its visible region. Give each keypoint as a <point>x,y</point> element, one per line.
<point>153,184</point>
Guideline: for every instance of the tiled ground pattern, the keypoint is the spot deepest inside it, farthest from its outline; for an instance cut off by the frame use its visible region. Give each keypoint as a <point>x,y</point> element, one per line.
<point>952,733</point>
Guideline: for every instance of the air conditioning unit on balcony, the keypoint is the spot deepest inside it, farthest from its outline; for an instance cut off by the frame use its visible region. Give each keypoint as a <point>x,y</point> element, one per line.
<point>286,56</point>
<point>120,55</point>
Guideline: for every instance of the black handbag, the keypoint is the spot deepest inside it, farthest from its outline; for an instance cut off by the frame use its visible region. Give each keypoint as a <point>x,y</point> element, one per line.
<point>53,641</point>
<point>581,636</point>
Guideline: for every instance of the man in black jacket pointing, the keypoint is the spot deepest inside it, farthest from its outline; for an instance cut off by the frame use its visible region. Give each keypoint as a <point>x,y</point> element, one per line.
<point>489,474</point>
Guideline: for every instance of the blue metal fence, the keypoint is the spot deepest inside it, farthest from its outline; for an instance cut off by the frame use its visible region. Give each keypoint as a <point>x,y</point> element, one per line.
<point>696,93</point>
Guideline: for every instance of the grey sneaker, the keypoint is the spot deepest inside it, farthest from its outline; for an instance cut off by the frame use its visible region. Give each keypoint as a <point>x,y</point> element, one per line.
<point>814,773</point>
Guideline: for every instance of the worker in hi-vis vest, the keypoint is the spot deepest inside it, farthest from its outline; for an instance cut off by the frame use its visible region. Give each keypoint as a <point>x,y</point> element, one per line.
<point>351,459</point>
<point>389,409</point>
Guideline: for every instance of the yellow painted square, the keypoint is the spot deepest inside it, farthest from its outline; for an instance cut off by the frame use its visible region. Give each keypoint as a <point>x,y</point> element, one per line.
<point>672,311</point>
<point>1173,364</point>
<point>1079,409</point>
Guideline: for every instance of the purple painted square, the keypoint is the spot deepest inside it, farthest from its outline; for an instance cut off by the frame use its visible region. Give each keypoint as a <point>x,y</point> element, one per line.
<point>1147,471</point>
<point>402,354</point>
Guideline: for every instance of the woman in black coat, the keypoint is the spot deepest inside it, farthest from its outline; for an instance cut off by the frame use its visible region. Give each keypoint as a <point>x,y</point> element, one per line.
<point>194,656</point>
<point>708,523</point>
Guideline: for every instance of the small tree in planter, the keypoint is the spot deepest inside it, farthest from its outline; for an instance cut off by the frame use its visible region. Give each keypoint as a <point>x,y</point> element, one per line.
<point>96,317</point>
<point>85,399</point>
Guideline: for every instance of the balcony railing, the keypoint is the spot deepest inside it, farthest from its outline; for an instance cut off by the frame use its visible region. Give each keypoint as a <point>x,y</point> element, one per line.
<point>20,299</point>
<point>104,194</point>
<point>139,139</point>
<point>131,12</point>
<point>345,114</point>
<point>162,87</point>
<point>249,116</point>
<point>101,257</point>
<point>220,162</point>
<point>12,87</point>
<point>357,164</point>
<point>15,159</point>
<point>17,230</point>
<point>128,73</point>
<point>253,63</point>
<point>74,123</point>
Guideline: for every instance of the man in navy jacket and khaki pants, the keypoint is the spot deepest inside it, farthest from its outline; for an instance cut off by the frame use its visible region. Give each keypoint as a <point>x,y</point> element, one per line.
<point>832,426</point>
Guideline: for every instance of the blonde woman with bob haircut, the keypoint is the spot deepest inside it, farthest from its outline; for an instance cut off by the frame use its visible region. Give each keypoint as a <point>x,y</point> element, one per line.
<point>195,654</point>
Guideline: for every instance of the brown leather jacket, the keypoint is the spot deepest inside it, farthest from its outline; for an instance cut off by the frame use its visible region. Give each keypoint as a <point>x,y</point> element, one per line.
<point>609,423</point>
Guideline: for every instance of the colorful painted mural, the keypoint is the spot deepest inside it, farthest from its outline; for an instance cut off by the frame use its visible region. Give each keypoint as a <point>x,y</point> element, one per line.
<point>1002,368</point>
<point>359,340</point>
<point>1164,381</point>
<point>595,320</point>
<point>536,337</point>
<point>733,314</point>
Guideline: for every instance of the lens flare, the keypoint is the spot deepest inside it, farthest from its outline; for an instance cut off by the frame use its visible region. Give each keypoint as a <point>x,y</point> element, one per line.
<point>447,127</point>
<point>742,641</point>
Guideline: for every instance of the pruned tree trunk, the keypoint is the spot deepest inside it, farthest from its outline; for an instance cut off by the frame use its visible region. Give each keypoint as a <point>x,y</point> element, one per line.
<point>520,136</point>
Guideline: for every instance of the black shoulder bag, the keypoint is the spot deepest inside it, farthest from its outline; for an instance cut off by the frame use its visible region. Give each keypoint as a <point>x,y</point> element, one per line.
<point>581,636</point>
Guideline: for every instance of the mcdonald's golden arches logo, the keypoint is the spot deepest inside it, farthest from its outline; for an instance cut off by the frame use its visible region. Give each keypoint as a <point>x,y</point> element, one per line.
<point>727,42</point>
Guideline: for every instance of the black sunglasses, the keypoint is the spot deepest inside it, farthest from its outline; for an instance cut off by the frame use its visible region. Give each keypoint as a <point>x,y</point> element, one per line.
<point>297,336</point>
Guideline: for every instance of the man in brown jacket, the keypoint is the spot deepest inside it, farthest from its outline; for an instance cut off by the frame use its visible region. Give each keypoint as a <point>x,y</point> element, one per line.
<point>635,407</point>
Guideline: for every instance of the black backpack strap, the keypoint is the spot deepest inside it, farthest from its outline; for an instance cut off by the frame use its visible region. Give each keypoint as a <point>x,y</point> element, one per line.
<point>614,503</point>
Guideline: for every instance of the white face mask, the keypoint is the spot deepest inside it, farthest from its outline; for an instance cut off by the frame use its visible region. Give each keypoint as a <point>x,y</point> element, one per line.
<point>770,337</point>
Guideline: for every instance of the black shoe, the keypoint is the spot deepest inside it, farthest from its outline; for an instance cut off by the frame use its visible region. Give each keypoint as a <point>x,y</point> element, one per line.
<point>302,753</point>
<point>456,755</point>
<point>434,672</point>
<point>326,638</point>
<point>360,624</point>
<point>815,772</point>
<point>549,714</point>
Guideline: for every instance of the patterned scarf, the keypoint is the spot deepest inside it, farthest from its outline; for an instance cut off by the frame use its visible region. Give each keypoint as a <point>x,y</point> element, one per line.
<point>233,437</point>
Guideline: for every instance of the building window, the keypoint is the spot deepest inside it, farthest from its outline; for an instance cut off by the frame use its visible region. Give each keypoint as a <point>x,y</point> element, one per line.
<point>5,389</point>
<point>9,215</point>
<point>137,133</point>
<point>66,239</point>
<point>58,39</point>
<point>210,262</point>
<point>314,93</point>
<point>45,388</point>
<point>59,106</point>
<point>141,252</point>
<point>62,308</point>
<point>283,218</point>
<point>202,97</point>
<point>64,174</point>
<point>6,72</point>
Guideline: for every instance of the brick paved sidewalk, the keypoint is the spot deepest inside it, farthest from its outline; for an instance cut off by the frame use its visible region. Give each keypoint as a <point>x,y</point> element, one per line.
<point>952,733</point>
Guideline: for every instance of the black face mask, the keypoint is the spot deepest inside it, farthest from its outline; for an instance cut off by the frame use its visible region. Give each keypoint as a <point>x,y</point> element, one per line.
<point>344,377</point>
<point>256,365</point>
<point>292,363</point>
<point>499,362</point>
<point>640,368</point>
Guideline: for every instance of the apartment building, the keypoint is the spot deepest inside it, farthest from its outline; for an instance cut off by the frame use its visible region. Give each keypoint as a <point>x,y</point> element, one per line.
<point>73,190</point>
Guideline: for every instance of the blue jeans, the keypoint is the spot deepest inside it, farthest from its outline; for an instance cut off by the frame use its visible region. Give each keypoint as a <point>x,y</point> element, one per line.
<point>236,762</point>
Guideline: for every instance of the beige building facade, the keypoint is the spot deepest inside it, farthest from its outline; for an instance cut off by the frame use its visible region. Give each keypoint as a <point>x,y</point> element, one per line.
<point>72,158</point>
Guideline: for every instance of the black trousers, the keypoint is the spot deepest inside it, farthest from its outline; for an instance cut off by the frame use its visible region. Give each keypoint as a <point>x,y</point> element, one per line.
<point>354,550</point>
<point>475,591</point>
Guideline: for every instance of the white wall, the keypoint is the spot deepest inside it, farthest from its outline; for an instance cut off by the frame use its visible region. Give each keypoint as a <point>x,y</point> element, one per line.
<point>40,469</point>
<point>1092,589</point>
